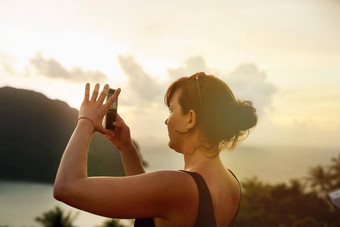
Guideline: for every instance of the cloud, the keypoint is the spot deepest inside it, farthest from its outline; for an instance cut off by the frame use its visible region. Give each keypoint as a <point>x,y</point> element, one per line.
<point>53,69</point>
<point>189,67</point>
<point>249,83</point>
<point>141,85</point>
<point>6,67</point>
<point>144,90</point>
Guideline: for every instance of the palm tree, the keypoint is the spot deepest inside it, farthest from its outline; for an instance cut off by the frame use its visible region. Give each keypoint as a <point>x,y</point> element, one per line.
<point>111,223</point>
<point>335,171</point>
<point>56,218</point>
<point>320,179</point>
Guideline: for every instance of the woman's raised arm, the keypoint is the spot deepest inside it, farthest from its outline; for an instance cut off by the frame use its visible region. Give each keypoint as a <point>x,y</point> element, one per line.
<point>73,165</point>
<point>145,195</point>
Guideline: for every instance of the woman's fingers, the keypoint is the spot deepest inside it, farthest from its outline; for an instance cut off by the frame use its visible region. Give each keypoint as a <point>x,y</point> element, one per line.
<point>103,94</point>
<point>95,93</point>
<point>110,135</point>
<point>113,98</point>
<point>119,121</point>
<point>87,92</point>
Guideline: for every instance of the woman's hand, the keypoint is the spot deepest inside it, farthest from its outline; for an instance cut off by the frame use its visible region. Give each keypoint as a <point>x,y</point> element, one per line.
<point>120,137</point>
<point>94,109</point>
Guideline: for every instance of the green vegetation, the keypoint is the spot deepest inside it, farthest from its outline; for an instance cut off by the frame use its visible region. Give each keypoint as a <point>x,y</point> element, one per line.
<point>112,223</point>
<point>298,203</point>
<point>56,218</point>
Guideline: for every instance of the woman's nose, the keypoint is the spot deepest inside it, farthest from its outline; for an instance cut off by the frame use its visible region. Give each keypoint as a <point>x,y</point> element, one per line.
<point>166,121</point>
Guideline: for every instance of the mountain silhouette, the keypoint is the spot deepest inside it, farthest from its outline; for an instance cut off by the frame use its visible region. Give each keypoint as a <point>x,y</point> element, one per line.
<point>34,133</point>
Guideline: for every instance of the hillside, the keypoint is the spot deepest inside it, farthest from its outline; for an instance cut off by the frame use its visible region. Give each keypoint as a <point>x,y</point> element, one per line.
<point>34,133</point>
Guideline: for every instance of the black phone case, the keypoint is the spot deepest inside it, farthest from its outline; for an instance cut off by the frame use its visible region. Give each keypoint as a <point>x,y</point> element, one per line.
<point>111,113</point>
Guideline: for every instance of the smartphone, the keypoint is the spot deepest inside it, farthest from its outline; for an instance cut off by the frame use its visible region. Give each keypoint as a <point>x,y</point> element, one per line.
<point>112,112</point>
<point>334,197</point>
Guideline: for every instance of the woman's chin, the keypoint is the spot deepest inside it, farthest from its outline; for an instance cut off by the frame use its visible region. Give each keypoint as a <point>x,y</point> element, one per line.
<point>170,145</point>
<point>174,148</point>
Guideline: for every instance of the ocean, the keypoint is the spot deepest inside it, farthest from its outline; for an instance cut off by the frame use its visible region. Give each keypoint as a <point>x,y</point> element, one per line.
<point>270,164</point>
<point>21,202</point>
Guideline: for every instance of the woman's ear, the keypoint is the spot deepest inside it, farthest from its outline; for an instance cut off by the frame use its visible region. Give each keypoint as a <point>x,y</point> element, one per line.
<point>191,119</point>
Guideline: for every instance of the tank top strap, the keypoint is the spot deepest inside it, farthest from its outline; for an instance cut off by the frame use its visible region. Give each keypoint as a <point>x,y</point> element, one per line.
<point>239,203</point>
<point>206,215</point>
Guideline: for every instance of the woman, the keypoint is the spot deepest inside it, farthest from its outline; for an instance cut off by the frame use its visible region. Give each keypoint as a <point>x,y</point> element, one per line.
<point>204,119</point>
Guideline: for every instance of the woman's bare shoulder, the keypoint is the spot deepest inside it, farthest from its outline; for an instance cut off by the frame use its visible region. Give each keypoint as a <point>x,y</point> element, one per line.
<point>176,182</point>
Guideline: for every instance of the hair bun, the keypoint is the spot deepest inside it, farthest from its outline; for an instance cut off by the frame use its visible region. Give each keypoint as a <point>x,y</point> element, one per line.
<point>244,115</point>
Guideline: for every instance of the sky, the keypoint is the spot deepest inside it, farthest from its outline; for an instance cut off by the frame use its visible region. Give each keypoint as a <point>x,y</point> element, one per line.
<point>282,55</point>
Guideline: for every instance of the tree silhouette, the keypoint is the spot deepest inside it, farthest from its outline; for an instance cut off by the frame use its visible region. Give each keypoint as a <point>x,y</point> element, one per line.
<point>320,179</point>
<point>111,223</point>
<point>282,205</point>
<point>56,218</point>
<point>335,172</point>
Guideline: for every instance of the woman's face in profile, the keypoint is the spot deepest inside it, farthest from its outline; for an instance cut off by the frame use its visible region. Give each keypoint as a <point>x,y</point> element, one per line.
<point>175,121</point>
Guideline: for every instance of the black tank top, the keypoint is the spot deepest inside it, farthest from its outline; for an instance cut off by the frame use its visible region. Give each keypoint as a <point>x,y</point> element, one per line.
<point>206,215</point>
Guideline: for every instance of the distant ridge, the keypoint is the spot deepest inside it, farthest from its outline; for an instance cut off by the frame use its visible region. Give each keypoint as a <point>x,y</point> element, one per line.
<point>34,133</point>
